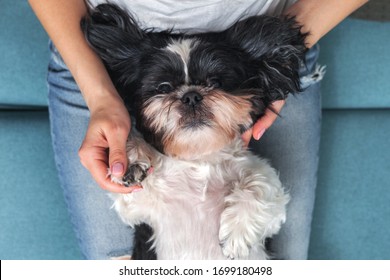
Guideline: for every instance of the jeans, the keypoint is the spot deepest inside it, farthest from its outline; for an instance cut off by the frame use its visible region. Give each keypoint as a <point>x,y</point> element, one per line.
<point>291,144</point>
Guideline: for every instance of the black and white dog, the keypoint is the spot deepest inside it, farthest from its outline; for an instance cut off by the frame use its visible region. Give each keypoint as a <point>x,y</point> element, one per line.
<point>204,195</point>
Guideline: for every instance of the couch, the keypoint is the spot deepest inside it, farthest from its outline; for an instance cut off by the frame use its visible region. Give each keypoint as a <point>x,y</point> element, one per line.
<point>351,217</point>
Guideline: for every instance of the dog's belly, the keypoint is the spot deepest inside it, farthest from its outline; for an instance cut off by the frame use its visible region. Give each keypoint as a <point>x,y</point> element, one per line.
<point>185,211</point>
<point>190,230</point>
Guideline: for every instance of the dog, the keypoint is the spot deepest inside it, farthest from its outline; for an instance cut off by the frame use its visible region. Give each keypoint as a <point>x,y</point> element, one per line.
<point>204,195</point>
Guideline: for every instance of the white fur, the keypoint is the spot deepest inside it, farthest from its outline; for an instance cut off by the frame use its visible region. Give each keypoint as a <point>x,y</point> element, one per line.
<point>182,48</point>
<point>222,207</point>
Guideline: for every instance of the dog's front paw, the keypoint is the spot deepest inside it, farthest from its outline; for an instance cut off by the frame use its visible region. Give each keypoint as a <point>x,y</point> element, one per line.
<point>134,175</point>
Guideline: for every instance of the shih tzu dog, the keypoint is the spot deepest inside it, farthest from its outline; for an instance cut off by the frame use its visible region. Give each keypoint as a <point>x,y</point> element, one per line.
<point>204,195</point>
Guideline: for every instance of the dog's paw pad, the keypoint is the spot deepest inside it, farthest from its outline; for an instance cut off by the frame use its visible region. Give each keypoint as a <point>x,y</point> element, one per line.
<point>135,174</point>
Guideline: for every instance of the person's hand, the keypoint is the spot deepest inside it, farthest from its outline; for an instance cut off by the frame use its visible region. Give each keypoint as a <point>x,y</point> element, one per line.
<point>265,122</point>
<point>104,145</point>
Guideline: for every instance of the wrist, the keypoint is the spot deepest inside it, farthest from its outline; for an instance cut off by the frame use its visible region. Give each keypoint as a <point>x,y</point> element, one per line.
<point>99,100</point>
<point>99,94</point>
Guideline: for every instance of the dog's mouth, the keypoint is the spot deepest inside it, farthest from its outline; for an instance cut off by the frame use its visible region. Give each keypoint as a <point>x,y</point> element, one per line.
<point>196,117</point>
<point>195,124</point>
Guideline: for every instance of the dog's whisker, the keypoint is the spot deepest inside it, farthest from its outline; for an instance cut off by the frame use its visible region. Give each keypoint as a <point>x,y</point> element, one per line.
<point>169,108</point>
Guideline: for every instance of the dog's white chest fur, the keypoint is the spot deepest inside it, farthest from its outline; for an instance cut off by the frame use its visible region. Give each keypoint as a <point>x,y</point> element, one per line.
<point>222,208</point>
<point>186,212</point>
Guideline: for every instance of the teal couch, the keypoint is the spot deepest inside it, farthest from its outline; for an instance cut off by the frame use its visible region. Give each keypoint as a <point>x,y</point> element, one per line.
<point>351,218</point>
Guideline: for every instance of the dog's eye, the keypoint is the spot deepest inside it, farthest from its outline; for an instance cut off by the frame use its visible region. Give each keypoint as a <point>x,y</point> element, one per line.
<point>164,87</point>
<point>198,83</point>
<point>214,83</point>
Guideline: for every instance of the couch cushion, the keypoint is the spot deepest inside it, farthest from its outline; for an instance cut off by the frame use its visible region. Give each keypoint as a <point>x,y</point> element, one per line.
<point>357,57</point>
<point>33,217</point>
<point>352,210</point>
<point>24,56</point>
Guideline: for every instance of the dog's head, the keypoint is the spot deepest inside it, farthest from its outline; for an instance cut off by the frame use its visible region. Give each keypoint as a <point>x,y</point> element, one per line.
<point>193,94</point>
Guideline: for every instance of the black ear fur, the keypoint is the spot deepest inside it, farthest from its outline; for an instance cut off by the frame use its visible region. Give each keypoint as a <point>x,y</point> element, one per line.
<point>117,39</point>
<point>276,47</point>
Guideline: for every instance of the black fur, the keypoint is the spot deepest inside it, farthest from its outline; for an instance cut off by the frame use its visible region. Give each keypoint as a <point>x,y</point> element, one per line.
<point>142,246</point>
<point>276,47</point>
<point>261,52</point>
<point>261,55</point>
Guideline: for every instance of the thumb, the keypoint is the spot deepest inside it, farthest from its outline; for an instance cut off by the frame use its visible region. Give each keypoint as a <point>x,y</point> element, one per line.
<point>117,156</point>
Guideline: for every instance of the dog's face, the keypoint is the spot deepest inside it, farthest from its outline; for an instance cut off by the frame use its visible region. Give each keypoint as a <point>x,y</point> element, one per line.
<point>191,99</point>
<point>193,95</point>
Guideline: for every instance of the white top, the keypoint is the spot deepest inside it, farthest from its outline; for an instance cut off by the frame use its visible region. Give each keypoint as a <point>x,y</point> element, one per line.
<point>191,16</point>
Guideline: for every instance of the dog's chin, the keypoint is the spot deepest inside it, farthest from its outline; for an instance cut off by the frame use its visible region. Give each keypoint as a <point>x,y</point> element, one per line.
<point>197,140</point>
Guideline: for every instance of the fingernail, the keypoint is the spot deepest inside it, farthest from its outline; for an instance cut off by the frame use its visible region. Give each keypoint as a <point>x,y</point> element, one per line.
<point>117,168</point>
<point>258,136</point>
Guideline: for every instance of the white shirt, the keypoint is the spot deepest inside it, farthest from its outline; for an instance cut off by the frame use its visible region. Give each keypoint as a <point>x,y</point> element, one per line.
<point>191,16</point>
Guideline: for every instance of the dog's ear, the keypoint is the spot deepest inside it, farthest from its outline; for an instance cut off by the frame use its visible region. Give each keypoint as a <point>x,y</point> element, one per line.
<point>276,48</point>
<point>117,39</point>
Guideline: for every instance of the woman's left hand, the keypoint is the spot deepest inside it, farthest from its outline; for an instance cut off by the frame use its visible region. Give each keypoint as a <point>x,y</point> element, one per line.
<point>265,122</point>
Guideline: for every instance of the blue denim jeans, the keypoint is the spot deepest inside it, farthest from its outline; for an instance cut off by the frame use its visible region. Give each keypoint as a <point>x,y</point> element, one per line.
<point>291,144</point>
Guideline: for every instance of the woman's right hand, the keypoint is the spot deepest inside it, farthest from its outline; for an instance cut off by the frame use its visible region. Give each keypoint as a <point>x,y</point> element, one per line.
<point>104,146</point>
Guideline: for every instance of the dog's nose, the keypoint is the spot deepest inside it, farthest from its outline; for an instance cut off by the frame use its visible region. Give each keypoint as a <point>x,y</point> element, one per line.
<point>191,98</point>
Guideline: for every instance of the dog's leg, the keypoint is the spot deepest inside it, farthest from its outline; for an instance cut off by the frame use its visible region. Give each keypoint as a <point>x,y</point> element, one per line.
<point>143,249</point>
<point>254,210</point>
<point>140,156</point>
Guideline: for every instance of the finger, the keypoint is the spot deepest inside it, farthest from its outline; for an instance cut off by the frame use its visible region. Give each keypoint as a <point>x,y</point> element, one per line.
<point>99,171</point>
<point>246,137</point>
<point>117,153</point>
<point>94,158</point>
<point>265,122</point>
